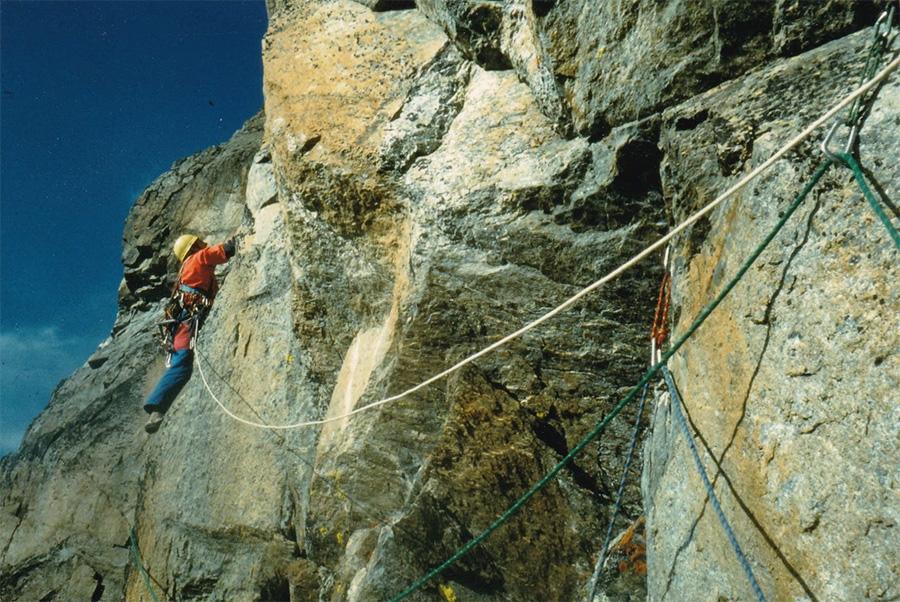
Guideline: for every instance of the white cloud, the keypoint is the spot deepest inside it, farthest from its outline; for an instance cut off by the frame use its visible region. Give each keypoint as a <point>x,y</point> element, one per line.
<point>32,362</point>
<point>10,440</point>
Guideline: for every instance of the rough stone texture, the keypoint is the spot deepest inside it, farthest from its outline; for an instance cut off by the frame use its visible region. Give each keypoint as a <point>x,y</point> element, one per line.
<point>792,384</point>
<point>210,183</point>
<point>474,185</point>
<point>631,59</point>
<point>423,183</point>
<point>595,65</point>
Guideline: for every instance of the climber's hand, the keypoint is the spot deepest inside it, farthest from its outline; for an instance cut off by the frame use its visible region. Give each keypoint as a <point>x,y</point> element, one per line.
<point>230,246</point>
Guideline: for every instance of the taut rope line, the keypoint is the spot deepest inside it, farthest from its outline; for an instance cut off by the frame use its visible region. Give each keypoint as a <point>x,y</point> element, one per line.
<point>589,289</point>
<point>698,321</point>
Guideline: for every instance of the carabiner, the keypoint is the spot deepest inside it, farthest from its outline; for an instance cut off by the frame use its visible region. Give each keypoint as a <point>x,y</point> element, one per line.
<point>655,351</point>
<point>851,140</point>
<point>886,18</point>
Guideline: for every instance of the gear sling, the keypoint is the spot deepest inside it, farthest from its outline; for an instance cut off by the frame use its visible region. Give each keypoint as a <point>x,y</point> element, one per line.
<point>187,305</point>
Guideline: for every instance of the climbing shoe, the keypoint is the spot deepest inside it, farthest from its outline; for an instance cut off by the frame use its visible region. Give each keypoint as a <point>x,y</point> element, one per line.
<point>152,425</point>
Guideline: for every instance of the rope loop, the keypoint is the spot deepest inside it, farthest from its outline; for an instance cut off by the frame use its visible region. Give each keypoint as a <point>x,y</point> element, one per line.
<point>659,244</point>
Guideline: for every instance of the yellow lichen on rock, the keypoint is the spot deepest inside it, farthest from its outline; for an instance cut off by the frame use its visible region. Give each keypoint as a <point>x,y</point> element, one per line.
<point>333,78</point>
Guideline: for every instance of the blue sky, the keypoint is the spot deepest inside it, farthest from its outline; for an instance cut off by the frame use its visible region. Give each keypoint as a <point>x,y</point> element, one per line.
<point>98,99</point>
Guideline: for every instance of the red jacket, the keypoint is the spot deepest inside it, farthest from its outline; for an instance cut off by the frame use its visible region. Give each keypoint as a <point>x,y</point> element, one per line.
<point>199,271</point>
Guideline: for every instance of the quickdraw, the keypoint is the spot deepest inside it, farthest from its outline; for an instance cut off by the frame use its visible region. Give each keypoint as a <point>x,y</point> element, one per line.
<point>660,331</point>
<point>882,37</point>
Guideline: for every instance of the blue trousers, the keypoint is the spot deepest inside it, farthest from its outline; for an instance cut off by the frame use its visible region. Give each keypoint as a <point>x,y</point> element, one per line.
<point>172,382</point>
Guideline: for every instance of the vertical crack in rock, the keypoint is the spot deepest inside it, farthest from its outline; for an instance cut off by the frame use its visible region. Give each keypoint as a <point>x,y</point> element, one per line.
<point>720,471</point>
<point>556,441</point>
<point>768,321</point>
<point>12,533</point>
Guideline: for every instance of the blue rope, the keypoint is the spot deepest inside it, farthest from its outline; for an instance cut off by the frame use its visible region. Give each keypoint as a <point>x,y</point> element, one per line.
<point>676,403</point>
<point>751,259</point>
<point>605,550</point>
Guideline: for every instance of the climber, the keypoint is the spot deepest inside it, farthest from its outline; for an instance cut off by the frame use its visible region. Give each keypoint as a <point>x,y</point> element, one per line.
<point>194,291</point>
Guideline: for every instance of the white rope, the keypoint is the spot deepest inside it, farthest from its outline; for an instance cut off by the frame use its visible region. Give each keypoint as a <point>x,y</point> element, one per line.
<point>224,409</point>
<point>589,289</point>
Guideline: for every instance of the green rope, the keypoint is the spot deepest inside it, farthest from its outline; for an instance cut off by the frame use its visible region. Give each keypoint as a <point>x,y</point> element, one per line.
<point>604,551</point>
<point>137,559</point>
<point>637,388</point>
<point>873,61</point>
<point>877,49</point>
<point>876,206</point>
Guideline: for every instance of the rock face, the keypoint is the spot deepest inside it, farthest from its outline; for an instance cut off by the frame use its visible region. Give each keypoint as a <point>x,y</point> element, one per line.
<point>792,384</point>
<point>424,181</point>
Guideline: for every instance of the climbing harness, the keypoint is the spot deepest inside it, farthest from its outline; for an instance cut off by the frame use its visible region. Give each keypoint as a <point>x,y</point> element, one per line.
<point>658,335</point>
<point>186,305</point>
<point>662,357</point>
<point>137,559</point>
<point>710,490</point>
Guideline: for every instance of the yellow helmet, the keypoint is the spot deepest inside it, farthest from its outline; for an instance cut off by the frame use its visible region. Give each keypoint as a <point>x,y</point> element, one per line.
<point>184,244</point>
